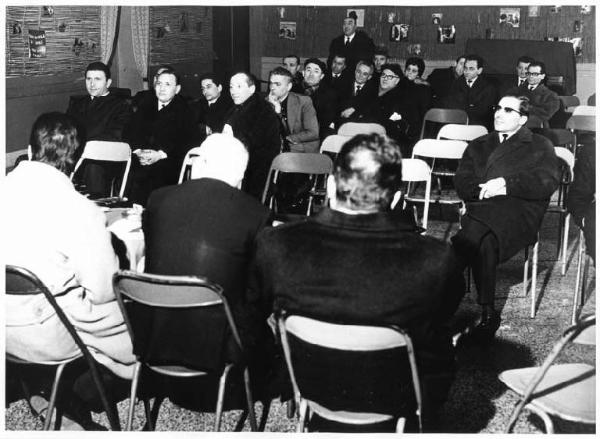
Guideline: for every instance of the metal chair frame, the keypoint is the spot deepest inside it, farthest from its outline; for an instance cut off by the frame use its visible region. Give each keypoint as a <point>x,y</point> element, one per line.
<point>580,277</point>
<point>37,287</point>
<point>187,162</point>
<point>177,292</point>
<point>454,131</point>
<point>417,170</point>
<point>351,129</point>
<point>444,116</point>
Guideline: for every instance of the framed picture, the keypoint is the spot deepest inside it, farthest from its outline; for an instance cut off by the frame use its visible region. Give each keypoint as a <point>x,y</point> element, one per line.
<point>510,16</point>
<point>287,30</point>
<point>358,15</point>
<point>447,34</point>
<point>399,32</point>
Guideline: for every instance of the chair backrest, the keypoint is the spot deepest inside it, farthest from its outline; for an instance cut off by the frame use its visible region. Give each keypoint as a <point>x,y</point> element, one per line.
<point>162,291</point>
<point>584,110</point>
<point>110,152</point>
<point>300,163</point>
<point>442,149</point>
<point>467,133</point>
<point>569,102</point>
<point>444,116</point>
<point>566,156</point>
<point>354,128</point>
<point>187,162</point>
<point>334,143</point>
<point>348,338</point>
<point>581,123</point>
<point>558,136</point>
<point>417,170</point>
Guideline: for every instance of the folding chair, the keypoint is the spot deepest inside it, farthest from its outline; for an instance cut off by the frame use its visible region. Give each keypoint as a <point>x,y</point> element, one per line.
<point>580,277</point>
<point>306,341</point>
<point>443,116</point>
<point>353,128</point>
<point>558,136</point>
<point>453,131</point>
<point>109,152</point>
<point>333,143</point>
<point>314,164</point>
<point>186,166</point>
<point>20,281</point>
<point>580,124</point>
<point>567,391</point>
<point>413,171</point>
<point>139,293</point>
<point>584,110</point>
<point>569,102</point>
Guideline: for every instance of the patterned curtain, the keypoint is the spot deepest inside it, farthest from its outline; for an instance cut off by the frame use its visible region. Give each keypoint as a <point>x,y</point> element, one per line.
<point>140,22</point>
<point>108,30</point>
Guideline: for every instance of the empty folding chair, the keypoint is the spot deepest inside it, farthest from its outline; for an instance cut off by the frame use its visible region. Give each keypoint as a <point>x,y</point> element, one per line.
<point>186,166</point>
<point>569,102</point>
<point>353,128</point>
<point>442,116</point>
<point>453,131</point>
<point>584,110</point>
<point>414,171</point>
<point>333,144</point>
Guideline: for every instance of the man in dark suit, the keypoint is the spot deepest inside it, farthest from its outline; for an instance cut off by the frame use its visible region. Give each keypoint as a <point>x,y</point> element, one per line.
<point>213,106</point>
<point>441,80</point>
<point>292,64</point>
<point>207,227</point>
<point>359,262</point>
<point>100,115</point>
<point>474,93</point>
<point>506,179</point>
<point>380,58</point>
<point>253,121</point>
<point>352,44</point>
<point>358,94</point>
<point>543,102</point>
<point>161,132</point>
<point>338,76</point>
<point>324,98</point>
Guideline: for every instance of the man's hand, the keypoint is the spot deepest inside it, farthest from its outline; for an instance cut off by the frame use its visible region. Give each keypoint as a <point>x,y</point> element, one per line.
<point>348,112</point>
<point>275,102</point>
<point>150,156</point>
<point>492,188</point>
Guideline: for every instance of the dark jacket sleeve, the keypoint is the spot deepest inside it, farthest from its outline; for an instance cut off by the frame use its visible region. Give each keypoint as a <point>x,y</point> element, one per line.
<point>466,180</point>
<point>583,189</point>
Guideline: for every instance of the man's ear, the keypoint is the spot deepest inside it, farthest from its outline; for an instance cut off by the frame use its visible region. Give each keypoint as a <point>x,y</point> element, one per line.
<point>253,88</point>
<point>178,88</point>
<point>108,82</point>
<point>289,86</point>
<point>29,153</point>
<point>331,190</point>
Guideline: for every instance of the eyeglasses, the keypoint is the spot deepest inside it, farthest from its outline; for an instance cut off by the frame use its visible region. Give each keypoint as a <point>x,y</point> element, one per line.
<point>534,73</point>
<point>389,76</point>
<point>507,110</point>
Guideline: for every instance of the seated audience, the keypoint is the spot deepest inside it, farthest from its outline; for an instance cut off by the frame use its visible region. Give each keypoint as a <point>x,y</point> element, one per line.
<point>161,132</point>
<point>543,102</point>
<point>380,58</point>
<point>324,98</point>
<point>253,121</point>
<point>521,68</point>
<point>415,94</point>
<point>100,115</point>
<point>143,95</point>
<point>506,179</point>
<point>292,64</point>
<point>441,80</point>
<point>207,226</point>
<point>213,106</point>
<point>412,281</point>
<point>359,93</point>
<point>338,76</point>
<point>581,201</point>
<point>473,94</point>
<point>60,236</point>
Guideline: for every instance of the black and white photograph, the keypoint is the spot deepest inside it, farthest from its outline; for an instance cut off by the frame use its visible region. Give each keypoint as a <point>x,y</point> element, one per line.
<point>261,220</point>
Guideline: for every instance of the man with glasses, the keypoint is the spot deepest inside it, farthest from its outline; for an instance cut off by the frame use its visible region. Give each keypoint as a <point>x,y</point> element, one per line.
<point>506,179</point>
<point>543,102</point>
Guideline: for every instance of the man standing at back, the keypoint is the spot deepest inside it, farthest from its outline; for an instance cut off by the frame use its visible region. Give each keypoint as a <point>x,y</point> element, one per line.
<point>354,45</point>
<point>361,263</point>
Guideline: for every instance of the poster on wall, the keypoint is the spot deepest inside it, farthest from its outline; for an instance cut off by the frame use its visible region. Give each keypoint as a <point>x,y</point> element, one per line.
<point>37,43</point>
<point>511,16</point>
<point>586,9</point>
<point>437,18</point>
<point>533,11</point>
<point>358,15</point>
<point>287,30</point>
<point>399,32</point>
<point>446,34</point>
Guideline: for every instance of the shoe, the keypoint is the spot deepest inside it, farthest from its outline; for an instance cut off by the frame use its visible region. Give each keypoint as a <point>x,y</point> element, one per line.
<point>485,330</point>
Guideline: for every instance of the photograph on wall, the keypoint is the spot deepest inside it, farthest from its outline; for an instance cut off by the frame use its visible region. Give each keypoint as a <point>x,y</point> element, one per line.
<point>358,15</point>
<point>586,9</point>
<point>437,18</point>
<point>576,42</point>
<point>533,11</point>
<point>287,30</point>
<point>47,11</point>
<point>17,28</point>
<point>511,16</point>
<point>37,43</point>
<point>399,32</point>
<point>446,34</point>
<point>555,9</point>
<point>414,49</point>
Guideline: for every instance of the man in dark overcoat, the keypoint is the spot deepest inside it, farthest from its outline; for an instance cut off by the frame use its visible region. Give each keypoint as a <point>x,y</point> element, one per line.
<point>506,179</point>
<point>359,262</point>
<point>354,45</point>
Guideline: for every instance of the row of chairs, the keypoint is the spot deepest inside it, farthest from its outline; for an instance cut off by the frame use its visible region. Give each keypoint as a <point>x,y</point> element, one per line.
<point>565,390</point>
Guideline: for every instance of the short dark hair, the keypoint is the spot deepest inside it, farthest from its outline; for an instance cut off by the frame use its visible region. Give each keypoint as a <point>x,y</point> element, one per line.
<point>54,140</point>
<point>339,55</point>
<point>97,65</point>
<point>250,78</point>
<point>460,57</point>
<point>381,50</point>
<point>170,72</point>
<point>211,76</point>
<point>316,61</point>
<point>415,61</point>
<point>292,56</point>
<point>281,71</point>
<point>539,64</point>
<point>352,15</point>
<point>476,58</point>
<point>525,59</point>
<point>524,103</point>
<point>395,68</point>
<point>368,172</point>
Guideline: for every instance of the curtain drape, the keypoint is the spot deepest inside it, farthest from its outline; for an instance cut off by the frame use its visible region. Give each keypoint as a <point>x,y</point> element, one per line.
<point>108,30</point>
<point>140,18</point>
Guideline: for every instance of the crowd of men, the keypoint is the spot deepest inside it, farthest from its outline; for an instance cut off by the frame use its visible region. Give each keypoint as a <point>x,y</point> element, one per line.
<point>359,261</point>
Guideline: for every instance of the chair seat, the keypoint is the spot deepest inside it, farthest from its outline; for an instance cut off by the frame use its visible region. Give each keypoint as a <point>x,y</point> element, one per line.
<point>356,418</point>
<point>177,371</point>
<point>567,390</point>
<point>13,359</point>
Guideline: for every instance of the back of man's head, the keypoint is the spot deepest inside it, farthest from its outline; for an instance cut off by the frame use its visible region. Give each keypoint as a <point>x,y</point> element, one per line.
<point>221,157</point>
<point>54,140</point>
<point>367,174</point>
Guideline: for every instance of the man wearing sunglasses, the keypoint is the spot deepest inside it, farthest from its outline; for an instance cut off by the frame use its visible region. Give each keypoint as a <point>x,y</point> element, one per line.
<point>506,179</point>
<point>543,102</point>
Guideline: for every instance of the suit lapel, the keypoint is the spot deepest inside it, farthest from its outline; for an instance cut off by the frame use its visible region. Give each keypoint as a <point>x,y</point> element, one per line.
<point>508,147</point>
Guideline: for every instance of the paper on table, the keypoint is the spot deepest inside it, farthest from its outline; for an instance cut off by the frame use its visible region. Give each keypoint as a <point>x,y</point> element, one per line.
<point>125,225</point>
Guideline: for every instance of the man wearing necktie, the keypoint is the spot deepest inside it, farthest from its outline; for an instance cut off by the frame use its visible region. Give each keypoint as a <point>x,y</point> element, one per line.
<point>544,103</point>
<point>522,65</point>
<point>359,93</point>
<point>353,44</point>
<point>506,179</point>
